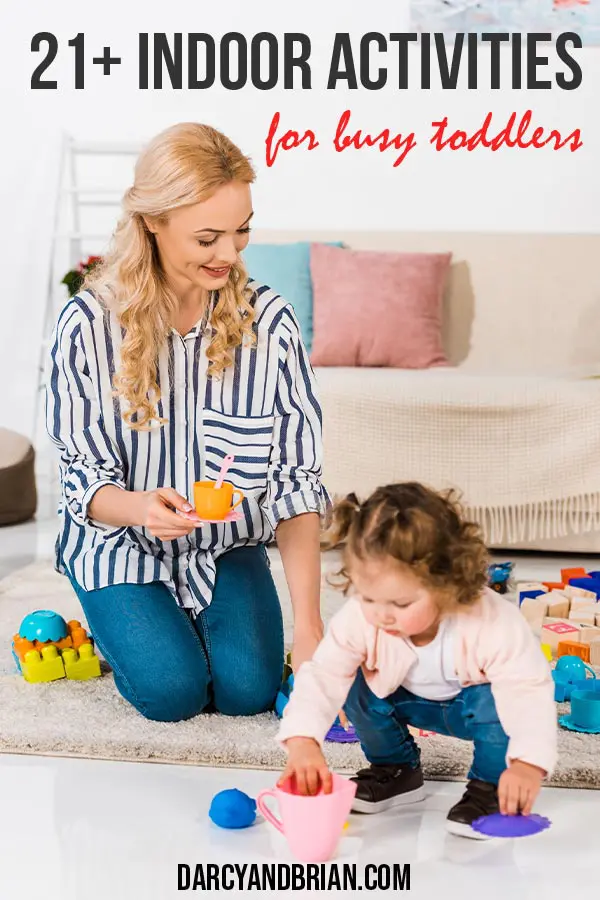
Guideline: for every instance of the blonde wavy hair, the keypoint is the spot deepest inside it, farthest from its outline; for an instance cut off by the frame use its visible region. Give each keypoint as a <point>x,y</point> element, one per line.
<point>183,165</point>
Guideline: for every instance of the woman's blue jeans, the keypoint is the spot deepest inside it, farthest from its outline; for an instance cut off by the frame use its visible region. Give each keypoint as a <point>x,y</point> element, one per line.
<point>230,659</point>
<point>382,726</point>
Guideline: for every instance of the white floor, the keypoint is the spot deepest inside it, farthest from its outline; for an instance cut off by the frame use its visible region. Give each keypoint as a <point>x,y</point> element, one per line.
<point>119,831</point>
<point>89,830</point>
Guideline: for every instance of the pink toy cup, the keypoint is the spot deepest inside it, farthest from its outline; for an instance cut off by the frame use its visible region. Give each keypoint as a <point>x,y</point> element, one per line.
<point>312,825</point>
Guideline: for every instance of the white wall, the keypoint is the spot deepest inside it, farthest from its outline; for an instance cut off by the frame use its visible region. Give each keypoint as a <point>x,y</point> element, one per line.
<point>534,190</point>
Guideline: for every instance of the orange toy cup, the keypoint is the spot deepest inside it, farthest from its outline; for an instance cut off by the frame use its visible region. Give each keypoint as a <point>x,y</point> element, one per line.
<point>215,503</point>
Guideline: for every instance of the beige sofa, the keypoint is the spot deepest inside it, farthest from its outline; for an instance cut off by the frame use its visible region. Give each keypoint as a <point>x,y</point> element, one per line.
<point>516,420</point>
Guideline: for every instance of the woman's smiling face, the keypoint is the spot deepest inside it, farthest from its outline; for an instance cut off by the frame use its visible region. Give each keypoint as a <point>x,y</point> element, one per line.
<point>201,242</point>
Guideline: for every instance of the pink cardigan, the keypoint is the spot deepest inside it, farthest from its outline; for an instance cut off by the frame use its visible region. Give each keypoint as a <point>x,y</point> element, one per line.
<point>494,644</point>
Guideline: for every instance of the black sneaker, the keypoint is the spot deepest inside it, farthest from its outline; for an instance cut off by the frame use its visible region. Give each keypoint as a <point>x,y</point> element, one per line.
<point>479,799</point>
<point>380,787</point>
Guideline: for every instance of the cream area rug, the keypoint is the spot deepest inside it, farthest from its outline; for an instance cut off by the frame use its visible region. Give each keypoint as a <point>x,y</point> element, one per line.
<point>91,719</point>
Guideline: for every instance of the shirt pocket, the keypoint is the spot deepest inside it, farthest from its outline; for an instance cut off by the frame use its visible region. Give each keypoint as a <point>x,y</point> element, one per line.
<point>248,438</point>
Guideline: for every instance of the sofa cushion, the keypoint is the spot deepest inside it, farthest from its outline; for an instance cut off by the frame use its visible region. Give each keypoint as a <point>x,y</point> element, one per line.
<point>18,496</point>
<point>378,309</point>
<point>285,268</point>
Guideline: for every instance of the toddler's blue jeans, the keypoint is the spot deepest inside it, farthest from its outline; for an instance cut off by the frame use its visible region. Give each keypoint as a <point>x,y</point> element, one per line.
<point>382,726</point>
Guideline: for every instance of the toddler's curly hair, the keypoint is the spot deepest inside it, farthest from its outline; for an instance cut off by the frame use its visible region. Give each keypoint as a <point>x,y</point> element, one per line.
<point>421,529</point>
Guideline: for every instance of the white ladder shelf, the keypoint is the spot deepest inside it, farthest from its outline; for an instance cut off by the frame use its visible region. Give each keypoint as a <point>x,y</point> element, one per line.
<point>69,238</point>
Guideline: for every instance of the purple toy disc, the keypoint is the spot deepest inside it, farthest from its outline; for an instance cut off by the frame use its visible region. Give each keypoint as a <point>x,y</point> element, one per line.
<point>337,734</point>
<point>498,825</point>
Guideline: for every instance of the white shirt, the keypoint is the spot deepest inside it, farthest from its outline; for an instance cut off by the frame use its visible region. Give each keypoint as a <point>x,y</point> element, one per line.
<point>433,675</point>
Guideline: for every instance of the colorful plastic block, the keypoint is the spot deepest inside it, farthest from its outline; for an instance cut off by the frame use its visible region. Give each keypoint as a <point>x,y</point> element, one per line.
<point>48,648</point>
<point>40,668</point>
<point>81,665</point>
<point>74,637</point>
<point>547,651</point>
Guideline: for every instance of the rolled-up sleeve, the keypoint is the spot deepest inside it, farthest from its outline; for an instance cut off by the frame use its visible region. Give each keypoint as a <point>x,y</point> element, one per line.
<point>295,467</point>
<point>89,458</point>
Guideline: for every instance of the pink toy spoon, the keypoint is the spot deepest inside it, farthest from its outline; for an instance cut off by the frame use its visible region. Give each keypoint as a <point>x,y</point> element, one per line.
<point>224,468</point>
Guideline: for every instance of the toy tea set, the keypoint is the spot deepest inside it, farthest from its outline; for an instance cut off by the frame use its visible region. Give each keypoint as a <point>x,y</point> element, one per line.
<point>47,648</point>
<point>571,683</point>
<point>213,500</point>
<point>313,825</point>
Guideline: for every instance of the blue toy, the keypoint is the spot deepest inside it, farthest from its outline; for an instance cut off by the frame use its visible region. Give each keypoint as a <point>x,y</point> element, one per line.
<point>232,809</point>
<point>565,683</point>
<point>43,625</point>
<point>283,695</point>
<point>499,576</point>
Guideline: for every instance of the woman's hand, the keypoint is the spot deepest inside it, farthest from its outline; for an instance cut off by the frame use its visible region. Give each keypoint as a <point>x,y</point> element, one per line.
<point>306,767</point>
<point>159,514</point>
<point>518,788</point>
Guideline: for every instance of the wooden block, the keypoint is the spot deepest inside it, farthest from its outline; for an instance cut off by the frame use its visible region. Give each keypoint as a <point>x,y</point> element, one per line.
<point>525,586</point>
<point>574,593</point>
<point>573,648</point>
<point>530,586</point>
<point>559,605</point>
<point>553,585</point>
<point>556,630</point>
<point>595,653</point>
<point>583,602</point>
<point>419,732</point>
<point>535,610</point>
<point>589,633</point>
<point>582,617</point>
<point>598,619</point>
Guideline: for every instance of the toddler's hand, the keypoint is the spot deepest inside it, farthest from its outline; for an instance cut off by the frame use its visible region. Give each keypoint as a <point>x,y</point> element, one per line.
<point>306,767</point>
<point>518,788</point>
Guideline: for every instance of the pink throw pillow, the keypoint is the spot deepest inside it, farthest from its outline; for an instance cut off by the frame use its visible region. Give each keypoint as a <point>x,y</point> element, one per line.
<point>374,308</point>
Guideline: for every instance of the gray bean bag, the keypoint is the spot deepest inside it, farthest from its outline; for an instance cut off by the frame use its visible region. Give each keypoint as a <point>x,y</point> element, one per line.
<point>18,496</point>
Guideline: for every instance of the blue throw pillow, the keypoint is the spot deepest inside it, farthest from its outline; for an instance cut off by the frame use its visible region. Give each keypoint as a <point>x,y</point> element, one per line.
<point>286,269</point>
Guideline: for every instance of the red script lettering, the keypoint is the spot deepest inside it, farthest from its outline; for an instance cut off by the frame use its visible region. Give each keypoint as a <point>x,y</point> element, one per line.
<point>291,140</point>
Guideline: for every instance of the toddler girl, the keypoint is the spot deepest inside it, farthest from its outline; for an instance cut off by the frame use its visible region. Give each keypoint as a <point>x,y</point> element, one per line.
<point>423,641</point>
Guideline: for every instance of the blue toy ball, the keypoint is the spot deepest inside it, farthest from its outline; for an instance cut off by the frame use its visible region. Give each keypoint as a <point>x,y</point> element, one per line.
<point>232,809</point>
<point>43,625</point>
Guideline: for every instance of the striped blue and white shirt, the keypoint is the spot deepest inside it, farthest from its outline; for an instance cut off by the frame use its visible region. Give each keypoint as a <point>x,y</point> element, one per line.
<point>264,410</point>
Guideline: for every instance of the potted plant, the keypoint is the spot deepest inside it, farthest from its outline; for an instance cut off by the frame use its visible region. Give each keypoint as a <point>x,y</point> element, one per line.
<point>75,277</point>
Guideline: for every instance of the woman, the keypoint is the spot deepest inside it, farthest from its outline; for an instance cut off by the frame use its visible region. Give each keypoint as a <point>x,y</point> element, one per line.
<point>168,360</point>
